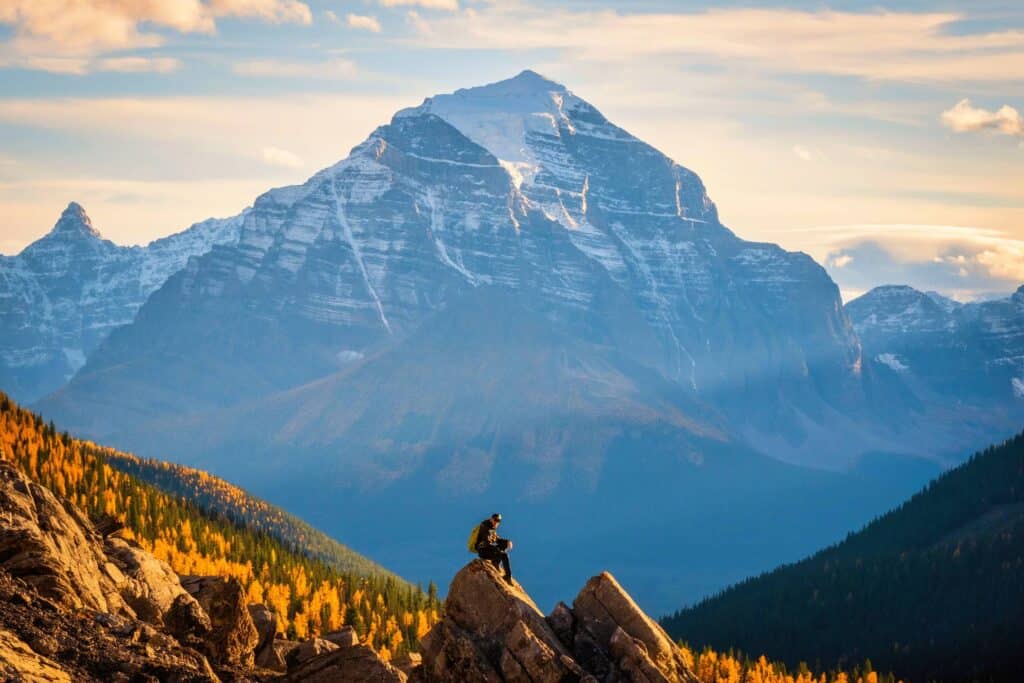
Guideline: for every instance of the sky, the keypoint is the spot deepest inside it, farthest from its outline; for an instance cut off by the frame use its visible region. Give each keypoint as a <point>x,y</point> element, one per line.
<point>884,139</point>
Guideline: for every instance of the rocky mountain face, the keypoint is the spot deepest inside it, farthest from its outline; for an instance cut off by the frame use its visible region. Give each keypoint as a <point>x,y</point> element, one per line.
<point>64,293</point>
<point>518,190</point>
<point>965,357</point>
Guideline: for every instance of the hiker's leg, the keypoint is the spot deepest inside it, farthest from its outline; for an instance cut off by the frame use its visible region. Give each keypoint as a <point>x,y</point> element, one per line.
<point>506,565</point>
<point>491,555</point>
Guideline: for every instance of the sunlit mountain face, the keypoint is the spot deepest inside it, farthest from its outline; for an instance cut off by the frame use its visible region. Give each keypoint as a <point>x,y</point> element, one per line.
<point>500,298</point>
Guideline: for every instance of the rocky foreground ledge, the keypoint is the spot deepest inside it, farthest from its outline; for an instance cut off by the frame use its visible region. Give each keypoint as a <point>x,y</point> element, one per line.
<point>77,603</point>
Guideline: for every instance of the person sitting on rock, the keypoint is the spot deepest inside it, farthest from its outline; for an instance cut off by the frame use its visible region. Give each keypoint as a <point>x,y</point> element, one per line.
<point>490,547</point>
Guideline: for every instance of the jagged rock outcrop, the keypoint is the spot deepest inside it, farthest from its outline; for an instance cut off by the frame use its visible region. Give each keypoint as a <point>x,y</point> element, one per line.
<point>233,637</point>
<point>265,621</point>
<point>493,632</point>
<point>43,640</point>
<point>77,606</point>
<point>153,590</point>
<point>50,545</point>
<point>604,615</point>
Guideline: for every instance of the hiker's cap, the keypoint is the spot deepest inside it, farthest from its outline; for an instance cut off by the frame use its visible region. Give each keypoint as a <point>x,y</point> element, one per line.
<point>496,516</point>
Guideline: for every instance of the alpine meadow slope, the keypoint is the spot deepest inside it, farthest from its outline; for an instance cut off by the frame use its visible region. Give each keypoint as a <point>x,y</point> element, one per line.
<point>502,299</point>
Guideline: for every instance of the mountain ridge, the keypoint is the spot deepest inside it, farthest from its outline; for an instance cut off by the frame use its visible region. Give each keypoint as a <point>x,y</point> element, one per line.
<point>63,294</point>
<point>644,227</point>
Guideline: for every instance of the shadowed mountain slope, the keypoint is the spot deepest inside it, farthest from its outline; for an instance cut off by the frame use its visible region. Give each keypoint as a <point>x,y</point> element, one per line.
<point>932,589</point>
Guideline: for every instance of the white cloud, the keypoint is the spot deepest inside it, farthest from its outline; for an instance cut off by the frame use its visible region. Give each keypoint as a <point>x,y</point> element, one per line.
<point>161,65</point>
<point>275,11</point>
<point>965,261</point>
<point>964,117</point>
<point>907,46</point>
<point>275,156</point>
<point>363,22</point>
<point>1006,262</point>
<point>65,35</point>
<point>332,69</point>
<point>449,5</point>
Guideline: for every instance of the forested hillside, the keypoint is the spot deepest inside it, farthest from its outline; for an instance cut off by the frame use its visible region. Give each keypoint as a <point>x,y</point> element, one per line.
<point>933,590</point>
<point>218,496</point>
<point>304,587</point>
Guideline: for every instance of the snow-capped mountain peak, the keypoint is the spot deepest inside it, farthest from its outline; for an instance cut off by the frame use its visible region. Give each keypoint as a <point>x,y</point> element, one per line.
<point>74,221</point>
<point>520,121</point>
<point>62,295</point>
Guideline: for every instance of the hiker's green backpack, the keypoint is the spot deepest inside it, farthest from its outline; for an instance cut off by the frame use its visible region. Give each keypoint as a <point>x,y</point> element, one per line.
<point>471,544</point>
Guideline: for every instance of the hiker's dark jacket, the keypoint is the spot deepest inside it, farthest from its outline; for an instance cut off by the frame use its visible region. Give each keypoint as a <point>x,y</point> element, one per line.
<point>487,535</point>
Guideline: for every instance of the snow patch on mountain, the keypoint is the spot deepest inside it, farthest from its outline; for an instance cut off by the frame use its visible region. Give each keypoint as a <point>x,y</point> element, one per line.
<point>500,117</point>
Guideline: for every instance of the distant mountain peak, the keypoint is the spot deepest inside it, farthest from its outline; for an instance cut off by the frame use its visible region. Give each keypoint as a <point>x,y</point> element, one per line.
<point>523,121</point>
<point>525,80</point>
<point>74,221</point>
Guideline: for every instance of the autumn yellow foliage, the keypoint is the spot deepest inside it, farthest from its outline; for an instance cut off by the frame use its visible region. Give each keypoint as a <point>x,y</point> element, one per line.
<point>309,597</point>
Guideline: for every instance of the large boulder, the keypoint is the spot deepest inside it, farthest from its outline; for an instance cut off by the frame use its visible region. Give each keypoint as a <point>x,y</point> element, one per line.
<point>152,589</point>
<point>50,544</point>
<point>344,637</point>
<point>233,637</point>
<point>276,656</point>
<point>307,650</point>
<point>265,621</point>
<point>604,611</point>
<point>492,632</point>
<point>355,664</point>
